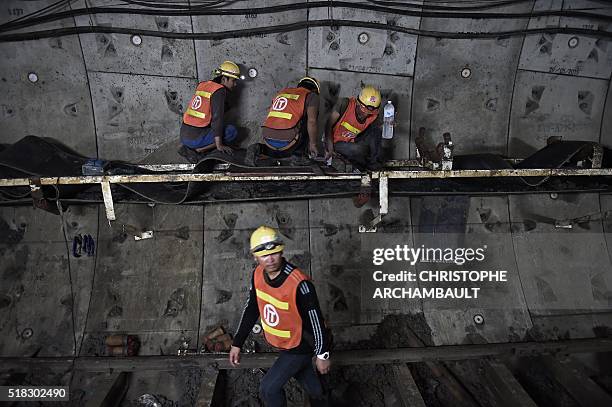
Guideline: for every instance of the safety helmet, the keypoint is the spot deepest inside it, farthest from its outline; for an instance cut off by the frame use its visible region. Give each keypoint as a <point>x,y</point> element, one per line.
<point>229,69</point>
<point>370,96</point>
<point>266,240</point>
<point>312,81</point>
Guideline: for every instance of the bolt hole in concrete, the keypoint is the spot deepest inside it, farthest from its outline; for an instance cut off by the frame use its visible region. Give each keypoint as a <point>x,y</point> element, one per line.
<point>363,38</point>
<point>27,333</point>
<point>136,40</point>
<point>573,42</point>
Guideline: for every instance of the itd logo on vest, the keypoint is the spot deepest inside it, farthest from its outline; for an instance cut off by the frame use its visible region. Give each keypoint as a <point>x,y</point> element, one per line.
<point>270,315</point>
<point>197,102</point>
<point>280,103</point>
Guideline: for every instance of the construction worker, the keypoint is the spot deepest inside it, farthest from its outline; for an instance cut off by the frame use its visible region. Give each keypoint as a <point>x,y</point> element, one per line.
<point>353,130</point>
<point>284,300</point>
<point>203,128</point>
<point>290,122</point>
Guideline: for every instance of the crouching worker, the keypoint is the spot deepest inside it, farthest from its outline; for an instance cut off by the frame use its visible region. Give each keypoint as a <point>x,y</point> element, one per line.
<point>290,124</point>
<point>203,128</point>
<point>284,300</point>
<point>353,130</point>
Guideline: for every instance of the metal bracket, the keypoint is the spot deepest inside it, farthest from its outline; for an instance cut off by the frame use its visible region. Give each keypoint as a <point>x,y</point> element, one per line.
<point>383,202</point>
<point>108,200</point>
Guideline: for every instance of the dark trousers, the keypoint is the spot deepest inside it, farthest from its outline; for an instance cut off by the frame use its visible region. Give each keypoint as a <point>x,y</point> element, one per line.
<point>290,365</point>
<point>365,151</point>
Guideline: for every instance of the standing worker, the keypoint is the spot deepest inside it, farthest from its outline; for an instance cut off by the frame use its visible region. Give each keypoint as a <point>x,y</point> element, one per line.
<point>203,128</point>
<point>353,130</point>
<point>291,120</point>
<point>284,300</point>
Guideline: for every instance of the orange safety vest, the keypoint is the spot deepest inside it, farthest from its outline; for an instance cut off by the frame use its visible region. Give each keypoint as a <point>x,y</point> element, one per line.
<point>287,108</point>
<point>280,318</point>
<point>348,127</point>
<point>198,113</point>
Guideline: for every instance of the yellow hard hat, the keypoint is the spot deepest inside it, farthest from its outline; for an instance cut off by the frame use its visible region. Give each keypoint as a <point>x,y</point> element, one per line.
<point>310,80</point>
<point>370,96</point>
<point>229,69</point>
<point>266,240</point>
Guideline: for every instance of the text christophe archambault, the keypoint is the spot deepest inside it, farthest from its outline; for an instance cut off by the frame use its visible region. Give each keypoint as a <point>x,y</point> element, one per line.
<point>456,280</point>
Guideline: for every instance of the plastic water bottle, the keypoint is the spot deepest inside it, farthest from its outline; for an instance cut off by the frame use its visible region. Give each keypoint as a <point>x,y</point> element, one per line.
<point>388,119</point>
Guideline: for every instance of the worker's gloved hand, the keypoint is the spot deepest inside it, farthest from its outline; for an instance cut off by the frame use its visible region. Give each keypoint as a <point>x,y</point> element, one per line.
<point>225,149</point>
<point>322,365</point>
<point>234,356</point>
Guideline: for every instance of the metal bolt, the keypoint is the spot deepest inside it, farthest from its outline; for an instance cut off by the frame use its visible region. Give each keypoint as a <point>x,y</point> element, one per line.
<point>363,38</point>
<point>330,36</point>
<point>478,319</point>
<point>27,333</point>
<point>554,195</point>
<point>256,329</point>
<point>252,73</point>
<point>573,42</point>
<point>334,46</point>
<point>388,50</point>
<point>33,77</point>
<point>136,40</point>
<point>466,73</point>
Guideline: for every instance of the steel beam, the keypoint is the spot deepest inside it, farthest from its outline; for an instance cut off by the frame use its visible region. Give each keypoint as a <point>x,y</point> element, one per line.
<point>238,177</point>
<point>341,358</point>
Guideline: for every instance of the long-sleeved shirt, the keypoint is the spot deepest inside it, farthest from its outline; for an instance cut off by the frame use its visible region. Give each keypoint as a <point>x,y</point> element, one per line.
<point>315,336</point>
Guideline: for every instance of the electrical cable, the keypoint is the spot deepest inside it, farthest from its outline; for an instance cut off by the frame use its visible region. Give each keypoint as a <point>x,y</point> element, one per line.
<point>51,7</point>
<point>299,6</point>
<point>300,25</point>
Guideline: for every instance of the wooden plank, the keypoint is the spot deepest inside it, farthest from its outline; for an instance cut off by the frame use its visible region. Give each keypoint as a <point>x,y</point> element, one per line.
<point>406,387</point>
<point>510,391</point>
<point>341,358</point>
<point>207,388</point>
<point>577,383</point>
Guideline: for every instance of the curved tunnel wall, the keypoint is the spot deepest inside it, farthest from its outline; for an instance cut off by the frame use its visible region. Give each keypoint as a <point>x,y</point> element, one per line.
<point>104,96</point>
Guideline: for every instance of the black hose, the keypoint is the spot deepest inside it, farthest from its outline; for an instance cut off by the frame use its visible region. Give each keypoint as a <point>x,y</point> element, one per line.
<point>299,26</point>
<point>298,6</point>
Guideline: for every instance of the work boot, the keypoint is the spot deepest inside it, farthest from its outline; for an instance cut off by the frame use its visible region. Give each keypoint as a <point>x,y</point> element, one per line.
<point>300,161</point>
<point>189,154</point>
<point>252,154</point>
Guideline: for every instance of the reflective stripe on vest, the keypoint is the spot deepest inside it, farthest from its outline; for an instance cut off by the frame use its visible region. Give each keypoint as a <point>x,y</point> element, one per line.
<point>287,109</point>
<point>205,94</point>
<point>280,318</point>
<point>348,127</point>
<point>274,331</point>
<point>195,113</point>
<point>199,110</point>
<point>288,96</point>
<point>281,115</point>
<point>268,298</point>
